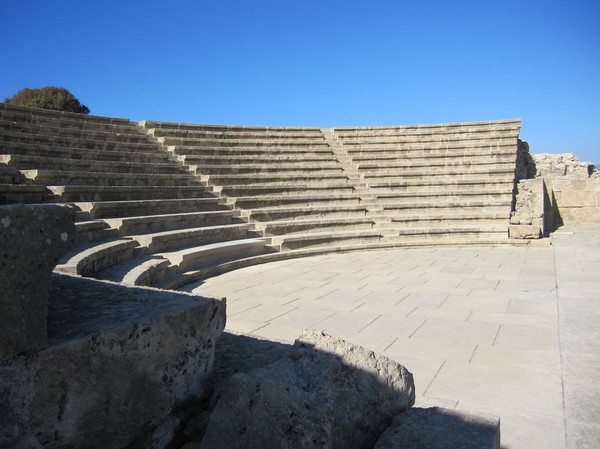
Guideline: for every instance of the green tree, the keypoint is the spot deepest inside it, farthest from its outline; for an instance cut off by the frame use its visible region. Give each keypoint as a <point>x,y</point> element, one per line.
<point>56,98</point>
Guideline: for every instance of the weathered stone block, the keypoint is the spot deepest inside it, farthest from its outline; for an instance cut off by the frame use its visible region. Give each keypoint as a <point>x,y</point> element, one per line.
<point>326,394</point>
<point>441,429</point>
<point>523,231</point>
<point>32,240</point>
<point>120,360</point>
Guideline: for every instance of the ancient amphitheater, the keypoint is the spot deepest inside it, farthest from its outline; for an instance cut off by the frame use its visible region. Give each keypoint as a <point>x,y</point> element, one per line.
<point>132,216</point>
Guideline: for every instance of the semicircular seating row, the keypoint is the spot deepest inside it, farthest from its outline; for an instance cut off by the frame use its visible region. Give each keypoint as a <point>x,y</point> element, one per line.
<point>164,204</point>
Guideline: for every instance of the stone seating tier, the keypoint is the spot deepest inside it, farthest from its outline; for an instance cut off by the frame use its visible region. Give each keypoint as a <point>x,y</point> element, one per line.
<point>84,193</point>
<point>307,211</point>
<point>244,143</point>
<point>259,202</point>
<point>74,153</point>
<point>146,224</point>
<point>121,142</point>
<point>153,124</point>
<point>116,209</point>
<point>27,162</point>
<point>188,150</point>
<point>273,167</point>
<point>100,178</point>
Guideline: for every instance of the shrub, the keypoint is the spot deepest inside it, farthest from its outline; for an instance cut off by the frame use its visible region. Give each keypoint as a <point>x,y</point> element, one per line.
<point>56,98</point>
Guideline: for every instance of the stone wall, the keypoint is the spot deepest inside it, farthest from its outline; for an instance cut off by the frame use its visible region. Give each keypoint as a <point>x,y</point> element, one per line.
<point>553,190</point>
<point>575,187</point>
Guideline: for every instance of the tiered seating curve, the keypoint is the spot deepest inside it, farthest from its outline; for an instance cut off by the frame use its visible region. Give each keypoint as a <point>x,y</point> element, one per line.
<point>164,204</point>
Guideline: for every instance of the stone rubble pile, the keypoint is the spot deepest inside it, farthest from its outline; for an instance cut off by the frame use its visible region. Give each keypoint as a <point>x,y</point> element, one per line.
<point>562,165</point>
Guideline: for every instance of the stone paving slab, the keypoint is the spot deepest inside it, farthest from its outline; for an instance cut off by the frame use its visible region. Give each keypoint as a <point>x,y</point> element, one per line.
<point>509,331</point>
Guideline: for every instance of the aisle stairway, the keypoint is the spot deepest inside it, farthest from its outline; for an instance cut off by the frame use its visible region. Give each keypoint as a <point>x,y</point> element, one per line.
<point>164,204</point>
<point>438,184</point>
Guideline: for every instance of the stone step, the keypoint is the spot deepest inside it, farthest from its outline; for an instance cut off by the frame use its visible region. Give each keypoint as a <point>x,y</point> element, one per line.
<point>28,162</point>
<point>483,193</point>
<point>299,143</point>
<point>413,146</point>
<point>469,132</point>
<point>158,223</point>
<point>24,113</point>
<point>266,135</point>
<point>90,259</point>
<point>76,130</point>
<point>325,239</point>
<point>93,230</point>
<point>452,184</point>
<point>188,150</point>
<point>275,159</point>
<point>154,156</point>
<point>63,177</point>
<point>265,178</point>
<point>511,125</point>
<point>331,167</point>
<point>482,172</point>
<point>116,209</point>
<point>307,211</point>
<point>86,193</point>
<point>449,219</point>
<point>284,189</point>
<point>10,175</point>
<point>309,225</point>
<point>180,238</point>
<point>140,270</point>
<point>389,159</point>
<point>299,200</point>
<point>447,206</point>
<point>206,255</point>
<point>23,194</point>
<point>434,233</point>
<point>10,137</point>
<point>153,124</point>
<point>439,162</point>
<point>29,122</point>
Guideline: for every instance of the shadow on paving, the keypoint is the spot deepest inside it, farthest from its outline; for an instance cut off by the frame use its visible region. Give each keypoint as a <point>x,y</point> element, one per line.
<point>326,393</point>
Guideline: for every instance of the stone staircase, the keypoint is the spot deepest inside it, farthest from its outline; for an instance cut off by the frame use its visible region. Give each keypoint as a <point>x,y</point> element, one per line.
<point>164,204</point>
<point>438,184</point>
<point>280,180</point>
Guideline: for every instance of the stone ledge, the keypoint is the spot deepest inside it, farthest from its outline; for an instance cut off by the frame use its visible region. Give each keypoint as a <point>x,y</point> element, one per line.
<point>120,361</point>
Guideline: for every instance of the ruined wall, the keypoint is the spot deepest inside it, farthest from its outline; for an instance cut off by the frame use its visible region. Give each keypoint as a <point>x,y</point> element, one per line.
<point>575,186</point>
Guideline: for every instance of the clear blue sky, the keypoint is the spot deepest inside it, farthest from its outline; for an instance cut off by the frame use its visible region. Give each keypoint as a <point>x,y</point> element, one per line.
<point>319,63</point>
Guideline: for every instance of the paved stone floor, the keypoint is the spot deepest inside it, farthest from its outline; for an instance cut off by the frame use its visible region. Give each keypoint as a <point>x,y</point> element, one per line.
<point>510,331</point>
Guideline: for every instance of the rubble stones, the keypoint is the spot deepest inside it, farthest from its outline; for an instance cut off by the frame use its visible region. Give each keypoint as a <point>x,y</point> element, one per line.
<point>561,165</point>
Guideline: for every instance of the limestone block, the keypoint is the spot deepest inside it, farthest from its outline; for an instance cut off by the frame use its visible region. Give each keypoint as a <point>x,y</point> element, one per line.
<point>119,361</point>
<point>441,429</point>
<point>327,393</point>
<point>32,240</point>
<point>524,231</point>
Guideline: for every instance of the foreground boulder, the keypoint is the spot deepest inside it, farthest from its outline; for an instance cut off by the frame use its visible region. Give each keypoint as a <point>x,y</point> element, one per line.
<point>327,393</point>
